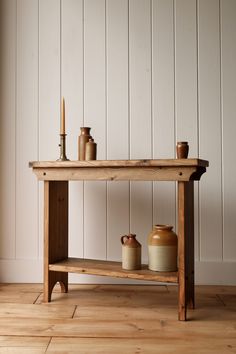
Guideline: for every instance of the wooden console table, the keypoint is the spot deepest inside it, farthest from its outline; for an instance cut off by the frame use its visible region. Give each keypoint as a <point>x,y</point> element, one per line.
<point>57,264</point>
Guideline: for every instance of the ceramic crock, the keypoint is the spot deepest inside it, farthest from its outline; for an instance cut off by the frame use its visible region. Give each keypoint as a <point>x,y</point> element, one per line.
<point>131,252</point>
<point>90,150</point>
<point>162,249</point>
<point>82,140</point>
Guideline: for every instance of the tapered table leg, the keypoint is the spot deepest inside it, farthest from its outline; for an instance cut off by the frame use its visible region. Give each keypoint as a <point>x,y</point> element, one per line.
<point>185,247</point>
<point>55,234</point>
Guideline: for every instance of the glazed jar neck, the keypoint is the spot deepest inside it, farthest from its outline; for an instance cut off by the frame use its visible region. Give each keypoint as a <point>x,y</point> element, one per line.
<point>163,227</point>
<point>130,240</point>
<point>85,130</point>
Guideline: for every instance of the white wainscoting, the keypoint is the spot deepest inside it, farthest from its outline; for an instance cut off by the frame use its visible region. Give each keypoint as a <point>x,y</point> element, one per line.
<point>143,74</point>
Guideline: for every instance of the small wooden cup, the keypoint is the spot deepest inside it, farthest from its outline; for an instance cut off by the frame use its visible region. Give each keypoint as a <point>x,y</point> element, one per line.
<point>182,149</point>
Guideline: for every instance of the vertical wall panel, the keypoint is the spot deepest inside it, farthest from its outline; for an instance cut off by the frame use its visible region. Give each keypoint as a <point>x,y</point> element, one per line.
<point>186,73</point>
<point>210,129</point>
<point>163,105</point>
<point>95,117</point>
<point>143,74</point>
<point>228,21</point>
<point>27,129</point>
<point>117,121</point>
<point>49,71</point>
<point>140,114</point>
<point>72,90</point>
<point>7,127</point>
<point>49,89</point>
<point>186,97</point>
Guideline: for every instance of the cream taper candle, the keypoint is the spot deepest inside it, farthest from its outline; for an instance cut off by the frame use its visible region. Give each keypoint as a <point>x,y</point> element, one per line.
<point>63,116</point>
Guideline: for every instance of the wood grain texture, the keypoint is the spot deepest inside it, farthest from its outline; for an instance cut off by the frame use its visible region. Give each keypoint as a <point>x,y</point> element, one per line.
<point>55,234</point>
<point>20,344</point>
<point>185,247</point>
<point>121,163</point>
<point>42,311</point>
<point>110,268</point>
<point>121,174</point>
<point>152,346</point>
<point>206,333</point>
<point>111,318</point>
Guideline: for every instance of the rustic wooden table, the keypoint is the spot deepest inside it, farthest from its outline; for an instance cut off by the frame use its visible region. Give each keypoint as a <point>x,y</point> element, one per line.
<point>56,176</point>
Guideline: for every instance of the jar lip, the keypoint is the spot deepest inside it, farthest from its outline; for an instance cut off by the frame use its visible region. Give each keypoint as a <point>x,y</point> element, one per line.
<point>182,142</point>
<point>131,235</point>
<point>85,128</point>
<point>163,227</point>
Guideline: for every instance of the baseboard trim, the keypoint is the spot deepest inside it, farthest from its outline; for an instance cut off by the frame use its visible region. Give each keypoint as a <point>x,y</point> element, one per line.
<point>30,271</point>
<point>215,273</point>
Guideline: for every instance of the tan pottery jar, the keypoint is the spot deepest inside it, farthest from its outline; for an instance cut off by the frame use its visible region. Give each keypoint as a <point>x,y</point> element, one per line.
<point>90,150</point>
<point>182,149</point>
<point>131,252</point>
<point>82,140</point>
<point>162,249</point>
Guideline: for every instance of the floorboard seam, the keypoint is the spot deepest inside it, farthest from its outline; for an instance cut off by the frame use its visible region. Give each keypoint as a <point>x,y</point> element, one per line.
<point>49,342</point>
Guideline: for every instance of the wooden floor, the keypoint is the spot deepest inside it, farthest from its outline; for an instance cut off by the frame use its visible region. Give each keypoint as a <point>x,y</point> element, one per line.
<point>115,319</point>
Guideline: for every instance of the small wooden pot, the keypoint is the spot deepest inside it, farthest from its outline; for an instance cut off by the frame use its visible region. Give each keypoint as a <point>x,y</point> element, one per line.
<point>182,149</point>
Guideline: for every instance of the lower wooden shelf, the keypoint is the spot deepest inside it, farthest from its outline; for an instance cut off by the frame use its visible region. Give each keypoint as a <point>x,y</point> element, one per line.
<point>111,269</point>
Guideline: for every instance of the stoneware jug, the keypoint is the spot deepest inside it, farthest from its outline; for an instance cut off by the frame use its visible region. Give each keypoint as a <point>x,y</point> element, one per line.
<point>90,150</point>
<point>162,249</point>
<point>131,252</point>
<point>82,140</point>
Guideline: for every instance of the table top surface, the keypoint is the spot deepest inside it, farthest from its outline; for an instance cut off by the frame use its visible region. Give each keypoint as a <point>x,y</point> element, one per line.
<point>190,162</point>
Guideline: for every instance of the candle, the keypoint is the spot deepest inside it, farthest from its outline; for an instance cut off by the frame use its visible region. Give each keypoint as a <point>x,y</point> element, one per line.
<point>62,116</point>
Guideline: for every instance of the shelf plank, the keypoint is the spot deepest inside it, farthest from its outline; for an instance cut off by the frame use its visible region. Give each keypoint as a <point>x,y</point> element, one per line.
<point>112,269</point>
<point>121,163</point>
<point>120,170</point>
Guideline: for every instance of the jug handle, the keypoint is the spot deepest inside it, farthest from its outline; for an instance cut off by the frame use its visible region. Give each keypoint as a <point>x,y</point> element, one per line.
<point>122,239</point>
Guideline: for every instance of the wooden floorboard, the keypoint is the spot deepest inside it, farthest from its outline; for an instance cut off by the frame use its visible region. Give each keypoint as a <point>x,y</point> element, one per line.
<point>115,319</point>
<point>134,346</point>
<point>17,344</point>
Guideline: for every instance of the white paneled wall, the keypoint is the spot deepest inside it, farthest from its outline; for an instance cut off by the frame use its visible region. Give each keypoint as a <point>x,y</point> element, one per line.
<point>143,74</point>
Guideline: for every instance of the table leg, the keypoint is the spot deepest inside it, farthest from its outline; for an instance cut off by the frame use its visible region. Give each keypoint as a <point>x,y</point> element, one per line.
<point>55,234</point>
<point>185,247</point>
